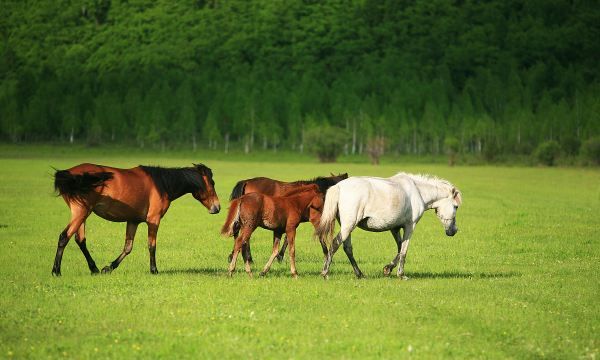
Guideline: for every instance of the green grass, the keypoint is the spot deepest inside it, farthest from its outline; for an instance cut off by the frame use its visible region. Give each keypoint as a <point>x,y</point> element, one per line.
<point>520,280</point>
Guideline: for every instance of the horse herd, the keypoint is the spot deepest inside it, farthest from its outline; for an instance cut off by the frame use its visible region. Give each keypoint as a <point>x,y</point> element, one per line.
<point>144,194</point>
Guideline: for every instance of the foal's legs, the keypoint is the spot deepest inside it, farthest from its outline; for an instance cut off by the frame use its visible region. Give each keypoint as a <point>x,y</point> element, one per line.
<point>80,239</point>
<point>282,251</point>
<point>276,240</point>
<point>129,235</point>
<point>78,215</point>
<point>291,238</point>
<point>243,237</point>
<point>389,267</point>
<point>245,249</point>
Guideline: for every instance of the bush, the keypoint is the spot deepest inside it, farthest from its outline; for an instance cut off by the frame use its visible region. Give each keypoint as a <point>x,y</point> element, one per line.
<point>491,150</point>
<point>452,146</point>
<point>547,152</point>
<point>591,150</point>
<point>326,141</point>
<point>570,145</point>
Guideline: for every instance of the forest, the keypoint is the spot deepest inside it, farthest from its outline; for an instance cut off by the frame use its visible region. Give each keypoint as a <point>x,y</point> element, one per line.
<point>492,77</point>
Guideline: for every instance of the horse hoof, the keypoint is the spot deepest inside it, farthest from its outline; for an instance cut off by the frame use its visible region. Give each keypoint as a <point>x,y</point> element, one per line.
<point>56,273</point>
<point>360,276</point>
<point>386,271</point>
<point>230,273</point>
<point>262,274</point>
<point>403,277</point>
<point>279,259</point>
<point>154,271</point>
<point>107,270</point>
<point>325,275</point>
<point>294,275</point>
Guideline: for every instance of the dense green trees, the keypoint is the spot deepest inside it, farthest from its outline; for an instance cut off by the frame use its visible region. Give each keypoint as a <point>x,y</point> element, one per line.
<point>497,76</point>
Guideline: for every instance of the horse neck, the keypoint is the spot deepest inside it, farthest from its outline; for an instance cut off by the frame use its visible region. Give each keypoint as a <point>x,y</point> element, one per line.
<point>431,191</point>
<point>303,199</point>
<point>184,187</point>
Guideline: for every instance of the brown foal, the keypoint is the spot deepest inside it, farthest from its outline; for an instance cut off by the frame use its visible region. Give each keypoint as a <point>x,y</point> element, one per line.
<point>281,214</point>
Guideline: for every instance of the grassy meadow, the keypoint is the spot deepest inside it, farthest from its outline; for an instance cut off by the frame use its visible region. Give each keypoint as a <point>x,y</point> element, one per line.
<point>521,279</point>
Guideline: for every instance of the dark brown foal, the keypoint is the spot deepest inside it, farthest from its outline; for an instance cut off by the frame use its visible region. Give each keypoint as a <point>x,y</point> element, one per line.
<point>281,214</point>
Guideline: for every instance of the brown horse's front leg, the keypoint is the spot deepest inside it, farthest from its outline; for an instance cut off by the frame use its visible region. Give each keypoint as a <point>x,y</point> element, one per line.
<point>291,238</point>
<point>129,236</point>
<point>152,232</point>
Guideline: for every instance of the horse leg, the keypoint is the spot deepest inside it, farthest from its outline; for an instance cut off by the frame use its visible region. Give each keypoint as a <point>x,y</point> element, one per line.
<point>276,240</point>
<point>152,232</point>
<point>78,216</point>
<point>80,239</point>
<point>129,235</point>
<point>282,251</point>
<point>246,256</point>
<point>291,238</point>
<point>405,242</point>
<point>335,244</point>
<point>242,237</point>
<point>324,248</point>
<point>348,251</point>
<point>389,267</point>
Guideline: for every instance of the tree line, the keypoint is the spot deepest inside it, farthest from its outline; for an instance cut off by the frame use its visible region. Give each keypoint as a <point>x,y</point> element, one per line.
<point>494,77</point>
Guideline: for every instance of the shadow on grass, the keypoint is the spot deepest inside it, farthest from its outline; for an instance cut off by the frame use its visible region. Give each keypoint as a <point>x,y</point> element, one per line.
<point>285,272</point>
<point>461,275</point>
<point>197,271</point>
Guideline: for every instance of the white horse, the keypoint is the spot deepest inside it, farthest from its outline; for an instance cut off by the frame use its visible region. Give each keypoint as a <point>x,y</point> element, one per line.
<point>380,204</point>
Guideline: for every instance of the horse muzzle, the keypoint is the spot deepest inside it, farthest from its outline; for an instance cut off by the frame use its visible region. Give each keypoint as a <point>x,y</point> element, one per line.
<point>215,209</point>
<point>452,231</point>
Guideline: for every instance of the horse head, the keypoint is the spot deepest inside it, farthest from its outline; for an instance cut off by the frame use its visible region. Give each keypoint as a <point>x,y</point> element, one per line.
<point>446,208</point>
<point>206,193</point>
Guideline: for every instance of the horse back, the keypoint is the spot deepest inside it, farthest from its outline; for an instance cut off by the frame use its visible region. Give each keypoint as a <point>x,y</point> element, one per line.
<point>127,195</point>
<point>263,185</point>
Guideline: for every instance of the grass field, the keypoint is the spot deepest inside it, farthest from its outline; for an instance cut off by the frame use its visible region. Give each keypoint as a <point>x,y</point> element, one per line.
<point>521,279</point>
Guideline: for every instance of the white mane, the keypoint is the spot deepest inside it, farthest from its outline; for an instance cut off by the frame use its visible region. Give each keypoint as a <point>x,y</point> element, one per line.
<point>441,185</point>
<point>430,179</point>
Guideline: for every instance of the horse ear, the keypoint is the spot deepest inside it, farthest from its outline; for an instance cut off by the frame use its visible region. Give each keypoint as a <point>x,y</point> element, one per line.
<point>457,196</point>
<point>331,174</point>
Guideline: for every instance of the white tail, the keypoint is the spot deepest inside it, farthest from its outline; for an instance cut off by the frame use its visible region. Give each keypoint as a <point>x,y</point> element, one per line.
<point>324,230</point>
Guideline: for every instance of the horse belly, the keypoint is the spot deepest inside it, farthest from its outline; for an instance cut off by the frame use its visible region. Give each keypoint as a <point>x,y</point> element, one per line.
<point>377,224</point>
<point>117,212</point>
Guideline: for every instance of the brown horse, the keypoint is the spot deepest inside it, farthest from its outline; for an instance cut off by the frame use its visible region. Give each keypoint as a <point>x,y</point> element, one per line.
<point>140,194</point>
<point>281,214</point>
<point>273,187</point>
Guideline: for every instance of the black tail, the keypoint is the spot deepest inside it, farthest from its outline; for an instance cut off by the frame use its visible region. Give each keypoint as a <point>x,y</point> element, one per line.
<point>238,190</point>
<point>75,186</point>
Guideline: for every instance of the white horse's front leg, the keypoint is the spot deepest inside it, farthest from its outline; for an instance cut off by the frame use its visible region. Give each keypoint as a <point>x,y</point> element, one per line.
<point>403,250</point>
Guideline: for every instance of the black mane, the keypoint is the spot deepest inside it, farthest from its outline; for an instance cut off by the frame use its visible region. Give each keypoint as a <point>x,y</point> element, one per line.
<point>323,183</point>
<point>174,182</point>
